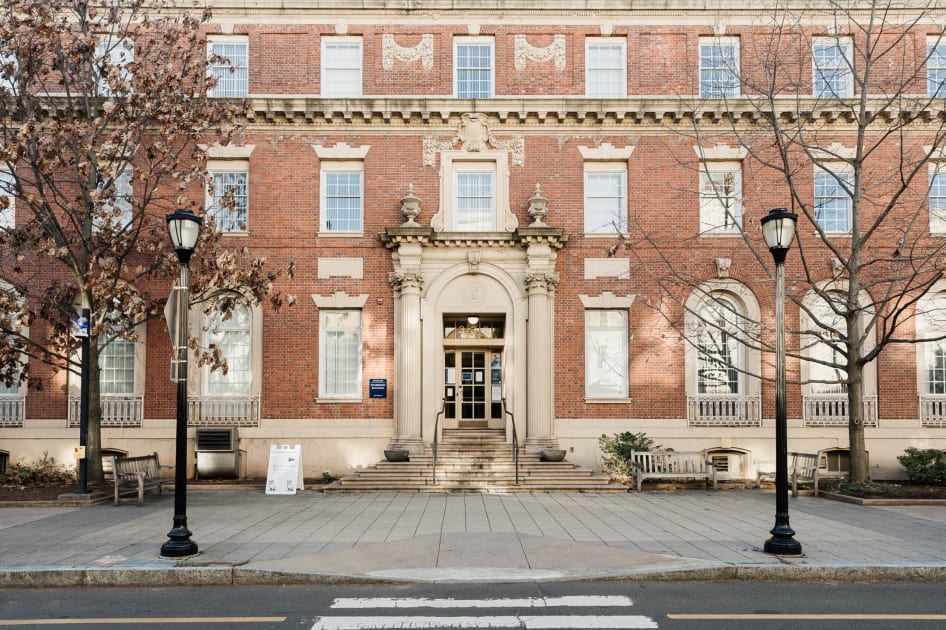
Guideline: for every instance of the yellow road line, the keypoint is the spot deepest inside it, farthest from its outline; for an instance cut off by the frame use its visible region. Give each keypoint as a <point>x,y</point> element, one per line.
<point>805,616</point>
<point>134,620</point>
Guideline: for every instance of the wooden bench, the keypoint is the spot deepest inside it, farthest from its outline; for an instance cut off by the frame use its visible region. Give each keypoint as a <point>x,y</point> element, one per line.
<point>802,470</point>
<point>672,465</point>
<point>141,473</point>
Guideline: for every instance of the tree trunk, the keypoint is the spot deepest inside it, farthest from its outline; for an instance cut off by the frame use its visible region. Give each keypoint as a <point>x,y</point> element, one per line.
<point>859,472</point>
<point>94,470</point>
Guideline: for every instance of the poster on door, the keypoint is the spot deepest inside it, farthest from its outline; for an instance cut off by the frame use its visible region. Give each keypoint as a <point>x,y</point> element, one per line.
<point>284,475</point>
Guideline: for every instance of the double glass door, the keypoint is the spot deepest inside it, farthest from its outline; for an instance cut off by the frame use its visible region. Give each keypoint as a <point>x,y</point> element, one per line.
<point>473,386</point>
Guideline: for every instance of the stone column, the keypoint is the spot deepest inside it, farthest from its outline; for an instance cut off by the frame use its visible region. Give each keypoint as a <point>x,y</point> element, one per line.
<point>407,371</point>
<point>541,368</point>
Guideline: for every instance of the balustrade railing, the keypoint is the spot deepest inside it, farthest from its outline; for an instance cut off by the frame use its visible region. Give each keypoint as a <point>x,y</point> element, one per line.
<point>827,410</point>
<point>12,411</point>
<point>117,411</point>
<point>933,410</point>
<point>241,411</point>
<point>724,410</point>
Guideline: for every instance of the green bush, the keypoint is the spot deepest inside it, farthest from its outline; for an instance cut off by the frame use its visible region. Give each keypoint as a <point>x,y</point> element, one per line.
<point>616,451</point>
<point>925,466</point>
<point>44,471</point>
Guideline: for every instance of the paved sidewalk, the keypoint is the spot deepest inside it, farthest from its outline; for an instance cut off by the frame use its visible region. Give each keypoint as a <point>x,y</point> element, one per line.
<point>247,537</point>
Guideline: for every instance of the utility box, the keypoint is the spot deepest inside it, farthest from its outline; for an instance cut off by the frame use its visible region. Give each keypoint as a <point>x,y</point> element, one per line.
<point>218,453</point>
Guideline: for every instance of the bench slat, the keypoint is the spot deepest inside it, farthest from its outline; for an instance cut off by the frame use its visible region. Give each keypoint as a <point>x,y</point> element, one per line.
<point>141,472</point>
<point>671,464</point>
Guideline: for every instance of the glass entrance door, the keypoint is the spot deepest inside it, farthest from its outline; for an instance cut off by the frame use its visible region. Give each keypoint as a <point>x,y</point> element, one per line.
<point>473,382</point>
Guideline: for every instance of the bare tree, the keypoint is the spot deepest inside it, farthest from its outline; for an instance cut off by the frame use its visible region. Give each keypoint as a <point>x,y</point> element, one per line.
<point>104,107</point>
<point>837,106</point>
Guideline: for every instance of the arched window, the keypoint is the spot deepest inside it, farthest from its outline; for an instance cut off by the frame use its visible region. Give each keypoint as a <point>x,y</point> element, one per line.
<point>12,393</point>
<point>824,364</point>
<point>230,395</point>
<point>723,361</point>
<point>931,357</point>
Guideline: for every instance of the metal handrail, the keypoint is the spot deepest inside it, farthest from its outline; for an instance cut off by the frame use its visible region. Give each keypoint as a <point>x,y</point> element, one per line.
<point>443,403</point>
<point>515,440</point>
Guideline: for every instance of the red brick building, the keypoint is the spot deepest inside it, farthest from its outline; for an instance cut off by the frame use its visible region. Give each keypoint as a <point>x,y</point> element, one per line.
<point>492,204</point>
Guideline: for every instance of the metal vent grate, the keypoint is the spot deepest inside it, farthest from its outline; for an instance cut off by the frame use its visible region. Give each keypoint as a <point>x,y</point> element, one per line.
<point>215,440</point>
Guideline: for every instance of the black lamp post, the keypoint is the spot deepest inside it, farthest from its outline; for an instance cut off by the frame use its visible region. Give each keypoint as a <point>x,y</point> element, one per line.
<point>184,228</point>
<point>778,228</point>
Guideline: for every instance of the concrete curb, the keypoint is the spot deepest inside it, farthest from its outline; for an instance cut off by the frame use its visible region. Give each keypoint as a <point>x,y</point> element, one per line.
<point>42,577</point>
<point>880,502</point>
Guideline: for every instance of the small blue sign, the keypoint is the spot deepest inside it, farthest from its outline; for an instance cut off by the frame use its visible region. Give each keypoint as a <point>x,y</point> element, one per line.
<point>377,388</point>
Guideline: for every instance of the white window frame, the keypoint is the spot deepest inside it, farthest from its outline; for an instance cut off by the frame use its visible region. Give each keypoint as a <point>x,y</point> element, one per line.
<point>487,42</point>
<point>931,321</point>
<point>936,66</point>
<point>724,333</point>
<point>122,198</point>
<point>719,67</point>
<point>328,169</point>
<point>10,84</point>
<point>937,198</point>
<point>327,358</point>
<point>614,334</point>
<point>838,173</point>
<point>606,68</point>
<point>592,223</point>
<point>125,351</point>
<point>716,218</point>
<point>228,224</point>
<point>454,162</point>
<point>216,383</point>
<point>18,390</point>
<point>118,55</point>
<point>7,214</point>
<point>834,80</point>
<point>461,214</point>
<point>334,68</point>
<point>239,78</point>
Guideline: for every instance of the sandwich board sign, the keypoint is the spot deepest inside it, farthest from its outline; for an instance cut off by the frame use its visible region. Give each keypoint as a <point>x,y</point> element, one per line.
<point>284,475</point>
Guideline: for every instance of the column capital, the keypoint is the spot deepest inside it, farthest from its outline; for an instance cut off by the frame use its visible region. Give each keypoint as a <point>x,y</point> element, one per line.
<point>541,281</point>
<point>401,280</point>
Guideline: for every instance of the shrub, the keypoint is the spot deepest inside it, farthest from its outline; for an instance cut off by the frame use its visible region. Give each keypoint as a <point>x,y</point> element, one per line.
<point>44,471</point>
<point>925,466</point>
<point>616,451</point>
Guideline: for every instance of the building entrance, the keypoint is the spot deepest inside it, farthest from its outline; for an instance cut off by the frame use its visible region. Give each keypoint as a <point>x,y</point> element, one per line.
<point>473,372</point>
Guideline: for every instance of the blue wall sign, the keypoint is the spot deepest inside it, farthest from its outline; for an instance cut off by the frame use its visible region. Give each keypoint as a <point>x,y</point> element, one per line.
<point>377,388</point>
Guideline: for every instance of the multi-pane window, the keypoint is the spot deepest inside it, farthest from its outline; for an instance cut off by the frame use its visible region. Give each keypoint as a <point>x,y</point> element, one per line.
<point>606,353</point>
<point>473,70</point>
<point>833,201</point>
<point>228,64</point>
<point>605,198</point>
<point>474,207</point>
<point>935,351</point>
<point>231,336</point>
<point>937,199</point>
<point>605,67</point>
<point>719,353</point>
<point>117,211</point>
<point>720,198</point>
<point>341,66</point>
<point>832,66</point>
<point>342,198</point>
<point>719,67</point>
<point>117,367</point>
<point>340,353</point>
<point>9,70</point>
<point>113,58</point>
<point>827,368</point>
<point>7,200</point>
<point>229,203</point>
<point>936,67</point>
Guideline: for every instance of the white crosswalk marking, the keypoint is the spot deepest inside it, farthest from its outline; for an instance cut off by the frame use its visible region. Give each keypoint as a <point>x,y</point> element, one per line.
<point>530,621</point>
<point>523,602</point>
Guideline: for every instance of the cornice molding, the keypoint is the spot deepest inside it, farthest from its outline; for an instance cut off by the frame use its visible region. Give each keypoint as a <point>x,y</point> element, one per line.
<point>567,110</point>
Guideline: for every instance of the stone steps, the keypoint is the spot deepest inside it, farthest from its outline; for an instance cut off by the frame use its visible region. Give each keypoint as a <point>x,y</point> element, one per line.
<point>475,460</point>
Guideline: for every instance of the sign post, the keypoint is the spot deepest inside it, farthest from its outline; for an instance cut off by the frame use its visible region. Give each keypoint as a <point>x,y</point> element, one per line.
<point>284,475</point>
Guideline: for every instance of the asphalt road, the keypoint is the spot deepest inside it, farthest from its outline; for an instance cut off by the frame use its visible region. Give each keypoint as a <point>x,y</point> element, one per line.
<point>664,605</point>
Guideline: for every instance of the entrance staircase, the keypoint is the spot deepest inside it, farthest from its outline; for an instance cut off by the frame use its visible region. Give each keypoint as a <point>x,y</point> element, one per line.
<point>475,460</point>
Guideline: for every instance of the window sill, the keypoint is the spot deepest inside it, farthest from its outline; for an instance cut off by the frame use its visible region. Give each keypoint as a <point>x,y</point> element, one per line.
<point>240,233</point>
<point>721,234</point>
<point>607,235</point>
<point>607,401</point>
<point>327,234</point>
<point>331,401</point>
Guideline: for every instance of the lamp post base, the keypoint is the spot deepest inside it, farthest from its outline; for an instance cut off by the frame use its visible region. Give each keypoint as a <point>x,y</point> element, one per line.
<point>782,542</point>
<point>180,544</point>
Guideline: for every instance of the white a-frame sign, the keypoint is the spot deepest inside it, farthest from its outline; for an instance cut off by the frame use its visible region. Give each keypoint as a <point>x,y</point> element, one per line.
<point>285,469</point>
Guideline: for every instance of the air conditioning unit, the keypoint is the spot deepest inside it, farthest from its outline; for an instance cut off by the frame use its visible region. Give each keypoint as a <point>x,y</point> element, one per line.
<point>218,454</point>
